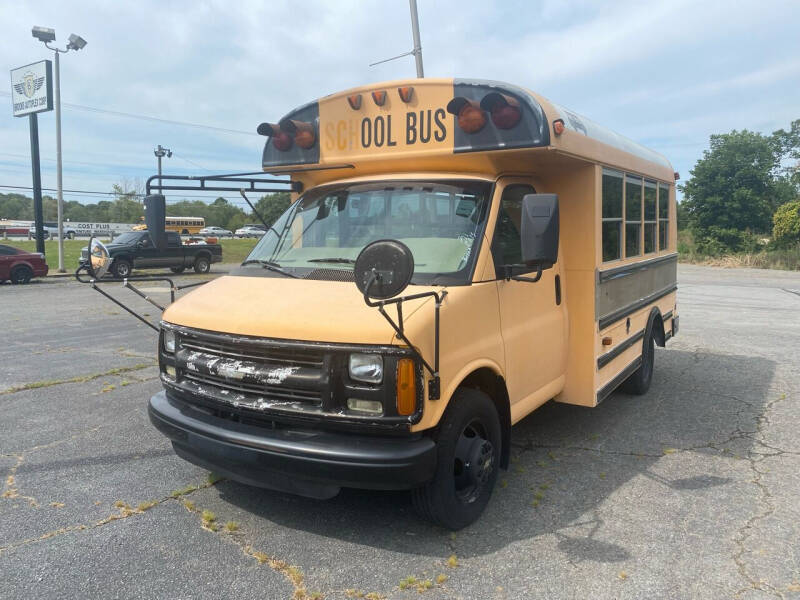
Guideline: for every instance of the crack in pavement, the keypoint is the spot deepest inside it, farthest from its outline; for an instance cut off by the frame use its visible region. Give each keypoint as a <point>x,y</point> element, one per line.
<point>125,511</point>
<point>768,508</point>
<point>79,379</point>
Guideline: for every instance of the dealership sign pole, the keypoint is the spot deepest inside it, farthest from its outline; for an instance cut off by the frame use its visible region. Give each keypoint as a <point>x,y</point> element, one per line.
<point>32,93</point>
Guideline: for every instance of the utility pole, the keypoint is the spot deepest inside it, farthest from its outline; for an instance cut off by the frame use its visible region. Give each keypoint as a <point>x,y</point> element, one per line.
<point>160,153</point>
<point>417,51</point>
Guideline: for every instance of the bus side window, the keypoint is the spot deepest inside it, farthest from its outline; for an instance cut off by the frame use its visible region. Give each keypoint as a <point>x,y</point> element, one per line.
<point>633,215</point>
<point>612,215</point>
<point>506,248</point>
<point>650,216</point>
<point>663,216</point>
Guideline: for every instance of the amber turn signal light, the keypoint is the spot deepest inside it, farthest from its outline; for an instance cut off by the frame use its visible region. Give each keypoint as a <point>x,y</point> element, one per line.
<point>379,96</point>
<point>302,132</point>
<point>354,101</point>
<point>470,116</point>
<point>405,93</point>
<point>406,387</point>
<point>281,140</point>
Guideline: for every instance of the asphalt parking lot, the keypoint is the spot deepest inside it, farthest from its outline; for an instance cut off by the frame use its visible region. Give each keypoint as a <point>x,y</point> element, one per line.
<point>688,492</point>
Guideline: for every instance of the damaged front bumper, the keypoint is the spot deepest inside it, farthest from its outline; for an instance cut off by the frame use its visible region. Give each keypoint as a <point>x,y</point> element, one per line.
<point>303,461</point>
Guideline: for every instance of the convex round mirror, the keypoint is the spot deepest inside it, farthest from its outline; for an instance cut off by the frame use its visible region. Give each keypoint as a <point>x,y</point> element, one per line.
<point>99,259</point>
<point>384,269</point>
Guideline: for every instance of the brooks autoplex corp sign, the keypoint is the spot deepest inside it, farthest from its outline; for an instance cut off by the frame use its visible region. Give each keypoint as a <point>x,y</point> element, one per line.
<point>32,88</point>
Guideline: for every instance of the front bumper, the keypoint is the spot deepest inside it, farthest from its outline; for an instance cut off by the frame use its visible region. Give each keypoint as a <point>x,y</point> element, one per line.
<point>306,462</point>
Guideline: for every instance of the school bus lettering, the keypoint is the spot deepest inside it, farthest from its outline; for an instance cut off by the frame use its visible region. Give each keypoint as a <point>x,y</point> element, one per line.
<point>503,214</point>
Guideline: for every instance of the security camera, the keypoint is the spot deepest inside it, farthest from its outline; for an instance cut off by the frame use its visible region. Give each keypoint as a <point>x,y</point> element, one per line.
<point>76,42</point>
<point>44,34</point>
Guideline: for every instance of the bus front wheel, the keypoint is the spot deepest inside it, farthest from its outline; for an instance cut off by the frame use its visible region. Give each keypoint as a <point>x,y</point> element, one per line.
<point>468,458</point>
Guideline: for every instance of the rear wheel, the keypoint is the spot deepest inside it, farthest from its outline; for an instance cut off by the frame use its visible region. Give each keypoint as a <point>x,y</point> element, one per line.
<point>202,264</point>
<point>639,382</point>
<point>468,448</point>
<point>21,274</point>
<point>71,235</point>
<point>121,268</point>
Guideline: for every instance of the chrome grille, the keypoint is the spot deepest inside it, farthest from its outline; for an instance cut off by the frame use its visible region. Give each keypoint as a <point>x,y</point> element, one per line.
<point>239,373</point>
<point>262,354</point>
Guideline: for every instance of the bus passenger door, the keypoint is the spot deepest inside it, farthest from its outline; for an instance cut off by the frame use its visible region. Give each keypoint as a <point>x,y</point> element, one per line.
<point>532,315</point>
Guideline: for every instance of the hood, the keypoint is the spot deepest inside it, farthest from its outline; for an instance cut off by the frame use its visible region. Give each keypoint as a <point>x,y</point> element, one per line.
<point>295,309</point>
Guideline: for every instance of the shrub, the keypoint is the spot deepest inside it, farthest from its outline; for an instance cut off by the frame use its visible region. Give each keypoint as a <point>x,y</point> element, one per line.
<point>716,241</point>
<point>786,224</point>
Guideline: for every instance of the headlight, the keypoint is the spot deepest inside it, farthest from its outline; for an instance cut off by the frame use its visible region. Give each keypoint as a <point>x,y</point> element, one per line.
<point>169,341</point>
<point>366,367</point>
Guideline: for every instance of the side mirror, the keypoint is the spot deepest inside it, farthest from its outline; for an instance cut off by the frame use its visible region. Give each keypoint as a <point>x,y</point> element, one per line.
<point>539,235</point>
<point>99,259</point>
<point>155,216</point>
<point>383,269</point>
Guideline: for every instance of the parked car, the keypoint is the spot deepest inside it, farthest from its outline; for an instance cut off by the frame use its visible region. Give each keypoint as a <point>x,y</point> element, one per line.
<point>51,230</point>
<point>136,249</point>
<point>250,231</point>
<point>215,231</point>
<point>20,266</point>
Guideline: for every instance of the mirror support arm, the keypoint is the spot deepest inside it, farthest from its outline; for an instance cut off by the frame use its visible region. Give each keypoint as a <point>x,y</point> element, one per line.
<point>434,386</point>
<point>121,305</point>
<point>510,277</point>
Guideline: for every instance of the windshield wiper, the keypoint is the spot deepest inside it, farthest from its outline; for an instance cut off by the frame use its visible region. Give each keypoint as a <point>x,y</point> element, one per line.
<point>343,261</point>
<point>270,266</point>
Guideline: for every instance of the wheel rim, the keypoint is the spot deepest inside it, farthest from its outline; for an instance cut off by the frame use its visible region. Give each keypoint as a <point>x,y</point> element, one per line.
<point>123,270</point>
<point>203,265</point>
<point>473,463</point>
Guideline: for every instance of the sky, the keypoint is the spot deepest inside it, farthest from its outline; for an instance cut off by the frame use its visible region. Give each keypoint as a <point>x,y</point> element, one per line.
<point>667,74</point>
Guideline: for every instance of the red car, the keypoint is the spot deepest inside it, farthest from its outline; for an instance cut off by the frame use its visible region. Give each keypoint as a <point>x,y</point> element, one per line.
<point>20,266</point>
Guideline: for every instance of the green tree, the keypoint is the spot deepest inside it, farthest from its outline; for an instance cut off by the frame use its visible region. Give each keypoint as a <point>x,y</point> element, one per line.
<point>786,231</point>
<point>272,206</point>
<point>735,185</point>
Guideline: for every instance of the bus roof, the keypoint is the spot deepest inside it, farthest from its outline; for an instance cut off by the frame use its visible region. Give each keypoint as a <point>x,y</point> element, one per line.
<point>442,124</point>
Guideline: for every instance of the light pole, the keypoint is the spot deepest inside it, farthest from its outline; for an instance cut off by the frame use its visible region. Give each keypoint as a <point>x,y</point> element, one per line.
<point>161,153</point>
<point>417,51</point>
<point>76,42</point>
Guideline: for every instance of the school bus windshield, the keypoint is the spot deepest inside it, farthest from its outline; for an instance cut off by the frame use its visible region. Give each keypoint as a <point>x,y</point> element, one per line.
<point>328,227</point>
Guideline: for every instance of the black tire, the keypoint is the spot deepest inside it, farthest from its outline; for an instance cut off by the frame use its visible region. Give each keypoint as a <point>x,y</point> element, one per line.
<point>121,268</point>
<point>177,269</point>
<point>21,275</point>
<point>202,264</point>
<point>71,235</point>
<point>639,381</point>
<point>185,232</point>
<point>468,459</point>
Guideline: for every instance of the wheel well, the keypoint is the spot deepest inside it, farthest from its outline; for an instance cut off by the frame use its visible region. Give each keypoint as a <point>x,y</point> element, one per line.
<point>494,386</point>
<point>206,255</point>
<point>655,324</point>
<point>19,266</point>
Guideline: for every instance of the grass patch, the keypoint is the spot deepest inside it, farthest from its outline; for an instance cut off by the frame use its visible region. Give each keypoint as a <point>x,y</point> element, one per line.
<point>80,379</point>
<point>208,516</point>
<point>231,526</point>
<point>233,251</point>
<point>452,561</point>
<point>769,258</point>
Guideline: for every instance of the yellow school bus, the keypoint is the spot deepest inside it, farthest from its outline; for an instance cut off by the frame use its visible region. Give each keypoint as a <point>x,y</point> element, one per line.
<point>183,225</point>
<point>540,249</point>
